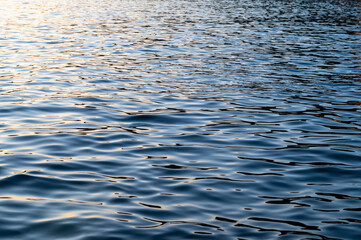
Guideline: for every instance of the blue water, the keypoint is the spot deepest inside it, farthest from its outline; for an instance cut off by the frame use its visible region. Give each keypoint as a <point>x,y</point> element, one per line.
<point>151,119</point>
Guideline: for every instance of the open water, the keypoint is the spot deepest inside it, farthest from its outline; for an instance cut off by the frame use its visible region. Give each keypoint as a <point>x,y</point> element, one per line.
<point>209,119</point>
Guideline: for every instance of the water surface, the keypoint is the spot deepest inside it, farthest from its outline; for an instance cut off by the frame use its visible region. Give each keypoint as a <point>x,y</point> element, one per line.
<point>156,119</point>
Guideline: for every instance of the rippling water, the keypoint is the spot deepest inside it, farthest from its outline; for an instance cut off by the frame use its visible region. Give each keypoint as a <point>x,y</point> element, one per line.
<point>150,119</point>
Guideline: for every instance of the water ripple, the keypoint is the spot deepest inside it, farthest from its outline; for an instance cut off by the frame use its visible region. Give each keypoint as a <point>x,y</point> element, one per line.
<point>180,119</point>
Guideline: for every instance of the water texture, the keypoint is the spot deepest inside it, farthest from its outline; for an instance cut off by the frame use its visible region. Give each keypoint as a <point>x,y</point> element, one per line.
<point>150,119</point>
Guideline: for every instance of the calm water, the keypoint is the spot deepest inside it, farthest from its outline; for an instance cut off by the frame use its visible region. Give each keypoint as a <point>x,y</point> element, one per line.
<point>209,119</point>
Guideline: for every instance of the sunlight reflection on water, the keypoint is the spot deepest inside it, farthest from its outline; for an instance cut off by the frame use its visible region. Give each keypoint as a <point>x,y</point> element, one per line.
<point>180,119</point>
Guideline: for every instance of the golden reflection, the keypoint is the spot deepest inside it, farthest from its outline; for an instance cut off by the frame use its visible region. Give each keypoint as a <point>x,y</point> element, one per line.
<point>62,216</point>
<point>78,214</point>
<point>26,171</point>
<point>24,198</point>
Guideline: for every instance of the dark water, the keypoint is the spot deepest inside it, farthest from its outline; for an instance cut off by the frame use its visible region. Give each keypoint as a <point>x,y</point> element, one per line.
<point>180,119</point>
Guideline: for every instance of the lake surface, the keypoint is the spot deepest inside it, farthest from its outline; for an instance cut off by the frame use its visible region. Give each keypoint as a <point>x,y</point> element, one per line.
<point>180,119</point>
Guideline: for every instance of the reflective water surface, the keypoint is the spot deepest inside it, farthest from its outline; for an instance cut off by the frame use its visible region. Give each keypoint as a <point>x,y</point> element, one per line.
<point>151,119</point>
